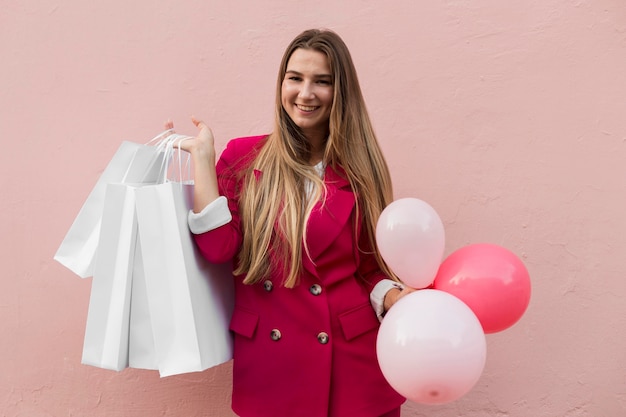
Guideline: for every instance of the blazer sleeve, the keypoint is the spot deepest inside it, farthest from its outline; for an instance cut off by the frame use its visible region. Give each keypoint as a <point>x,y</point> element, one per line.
<point>368,268</point>
<point>221,244</point>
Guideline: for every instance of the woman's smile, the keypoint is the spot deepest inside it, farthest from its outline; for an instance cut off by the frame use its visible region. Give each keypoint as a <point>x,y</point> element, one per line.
<point>307,92</point>
<point>307,109</point>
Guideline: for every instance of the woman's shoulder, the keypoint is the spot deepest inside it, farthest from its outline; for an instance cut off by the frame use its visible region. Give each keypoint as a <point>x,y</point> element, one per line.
<point>246,143</point>
<point>243,148</point>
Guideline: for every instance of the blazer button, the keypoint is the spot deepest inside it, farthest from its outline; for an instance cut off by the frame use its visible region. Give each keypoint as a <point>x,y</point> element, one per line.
<point>275,335</point>
<point>322,337</point>
<point>315,289</point>
<point>267,284</point>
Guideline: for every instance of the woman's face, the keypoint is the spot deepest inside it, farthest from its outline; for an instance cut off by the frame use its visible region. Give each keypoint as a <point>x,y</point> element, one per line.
<point>307,92</point>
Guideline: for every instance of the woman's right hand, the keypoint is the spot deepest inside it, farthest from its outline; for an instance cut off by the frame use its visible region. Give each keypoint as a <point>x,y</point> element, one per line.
<point>201,145</point>
<point>202,150</point>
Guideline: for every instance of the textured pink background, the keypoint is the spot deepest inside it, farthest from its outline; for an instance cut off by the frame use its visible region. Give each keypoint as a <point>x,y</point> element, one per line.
<point>508,117</point>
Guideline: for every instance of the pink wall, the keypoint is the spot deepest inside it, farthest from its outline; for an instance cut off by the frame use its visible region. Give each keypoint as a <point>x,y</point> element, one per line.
<point>508,117</point>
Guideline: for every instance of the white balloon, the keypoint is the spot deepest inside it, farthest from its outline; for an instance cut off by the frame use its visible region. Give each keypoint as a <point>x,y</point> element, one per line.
<point>411,239</point>
<point>431,347</point>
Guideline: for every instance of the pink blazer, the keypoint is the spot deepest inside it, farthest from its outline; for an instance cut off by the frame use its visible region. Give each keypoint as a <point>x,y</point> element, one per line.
<point>309,351</point>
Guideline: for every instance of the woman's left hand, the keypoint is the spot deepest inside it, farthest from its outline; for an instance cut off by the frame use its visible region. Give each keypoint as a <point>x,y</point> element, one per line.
<point>394,294</point>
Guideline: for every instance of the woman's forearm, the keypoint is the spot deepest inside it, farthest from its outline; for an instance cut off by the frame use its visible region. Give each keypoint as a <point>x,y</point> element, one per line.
<point>205,179</point>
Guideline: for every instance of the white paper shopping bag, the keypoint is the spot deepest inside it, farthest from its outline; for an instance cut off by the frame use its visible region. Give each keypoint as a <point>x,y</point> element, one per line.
<point>141,349</point>
<point>132,163</point>
<point>106,334</point>
<point>79,245</point>
<point>190,300</point>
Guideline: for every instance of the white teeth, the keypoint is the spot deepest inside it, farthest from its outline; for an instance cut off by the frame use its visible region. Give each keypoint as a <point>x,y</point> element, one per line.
<point>306,108</point>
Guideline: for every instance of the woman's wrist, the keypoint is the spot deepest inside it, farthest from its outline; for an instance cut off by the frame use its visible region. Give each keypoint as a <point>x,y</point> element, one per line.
<point>203,154</point>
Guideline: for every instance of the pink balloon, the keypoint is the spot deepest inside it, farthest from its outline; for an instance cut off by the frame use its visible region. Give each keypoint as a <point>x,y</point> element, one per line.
<point>411,239</point>
<point>491,280</point>
<point>431,347</point>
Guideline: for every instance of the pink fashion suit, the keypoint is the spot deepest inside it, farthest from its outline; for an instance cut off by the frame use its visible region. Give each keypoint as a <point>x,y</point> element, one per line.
<point>308,351</point>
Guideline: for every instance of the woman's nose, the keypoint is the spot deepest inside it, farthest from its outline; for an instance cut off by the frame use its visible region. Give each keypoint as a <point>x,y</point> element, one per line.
<point>306,91</point>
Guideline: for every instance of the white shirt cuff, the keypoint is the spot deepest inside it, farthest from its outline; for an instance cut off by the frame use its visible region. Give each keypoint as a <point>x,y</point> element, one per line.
<point>214,215</point>
<point>377,296</point>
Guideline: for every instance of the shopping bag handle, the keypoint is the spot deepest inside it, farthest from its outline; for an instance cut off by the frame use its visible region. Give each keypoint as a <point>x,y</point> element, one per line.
<point>161,138</point>
<point>171,151</point>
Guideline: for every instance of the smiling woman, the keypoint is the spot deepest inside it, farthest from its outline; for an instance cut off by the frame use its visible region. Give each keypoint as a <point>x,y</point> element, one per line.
<point>307,97</point>
<point>296,210</point>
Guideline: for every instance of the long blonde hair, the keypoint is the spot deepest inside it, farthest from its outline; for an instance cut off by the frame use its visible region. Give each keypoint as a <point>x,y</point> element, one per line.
<point>275,205</point>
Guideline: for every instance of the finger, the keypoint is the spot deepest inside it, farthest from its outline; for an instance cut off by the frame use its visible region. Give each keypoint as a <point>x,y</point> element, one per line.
<point>205,130</point>
<point>198,123</point>
<point>179,142</point>
<point>169,124</point>
<point>406,291</point>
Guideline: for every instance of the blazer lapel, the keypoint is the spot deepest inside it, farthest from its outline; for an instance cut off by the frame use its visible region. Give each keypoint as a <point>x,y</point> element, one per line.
<point>329,216</point>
